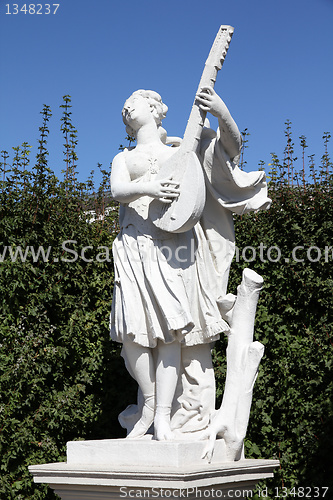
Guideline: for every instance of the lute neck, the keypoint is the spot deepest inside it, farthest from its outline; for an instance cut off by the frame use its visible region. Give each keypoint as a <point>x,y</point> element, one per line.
<point>212,66</point>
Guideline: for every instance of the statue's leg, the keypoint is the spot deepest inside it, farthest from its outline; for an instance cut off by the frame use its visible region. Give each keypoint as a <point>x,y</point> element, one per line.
<point>167,372</point>
<point>141,364</point>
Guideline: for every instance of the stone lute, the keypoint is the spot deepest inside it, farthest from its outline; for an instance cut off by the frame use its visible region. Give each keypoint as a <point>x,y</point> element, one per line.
<point>184,166</point>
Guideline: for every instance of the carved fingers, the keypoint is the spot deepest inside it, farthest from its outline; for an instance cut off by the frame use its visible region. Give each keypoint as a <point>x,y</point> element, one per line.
<point>165,190</point>
<point>209,445</point>
<point>169,190</point>
<point>209,101</point>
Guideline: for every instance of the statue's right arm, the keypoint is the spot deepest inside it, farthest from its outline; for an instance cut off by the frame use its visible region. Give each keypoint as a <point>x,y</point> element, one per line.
<point>124,190</point>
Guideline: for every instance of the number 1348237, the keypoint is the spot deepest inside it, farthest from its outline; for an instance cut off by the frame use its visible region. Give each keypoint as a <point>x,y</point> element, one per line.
<point>32,8</point>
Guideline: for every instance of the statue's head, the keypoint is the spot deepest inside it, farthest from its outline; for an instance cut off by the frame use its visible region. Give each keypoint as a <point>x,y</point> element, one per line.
<point>157,108</point>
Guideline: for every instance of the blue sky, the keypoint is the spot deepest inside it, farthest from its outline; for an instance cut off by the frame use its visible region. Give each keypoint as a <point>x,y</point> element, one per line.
<point>279,66</point>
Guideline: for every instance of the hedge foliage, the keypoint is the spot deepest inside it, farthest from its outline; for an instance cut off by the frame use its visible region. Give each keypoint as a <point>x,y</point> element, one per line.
<point>59,373</point>
<point>292,412</point>
<point>61,378</point>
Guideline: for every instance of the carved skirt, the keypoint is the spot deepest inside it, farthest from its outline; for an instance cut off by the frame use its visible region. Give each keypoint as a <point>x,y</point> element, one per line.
<point>163,289</point>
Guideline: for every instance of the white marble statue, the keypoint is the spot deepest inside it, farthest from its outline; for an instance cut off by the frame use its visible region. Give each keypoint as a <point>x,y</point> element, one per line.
<point>169,302</point>
<point>170,305</point>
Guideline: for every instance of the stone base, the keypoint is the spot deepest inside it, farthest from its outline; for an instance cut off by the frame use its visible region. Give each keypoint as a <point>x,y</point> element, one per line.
<point>143,452</point>
<point>123,468</point>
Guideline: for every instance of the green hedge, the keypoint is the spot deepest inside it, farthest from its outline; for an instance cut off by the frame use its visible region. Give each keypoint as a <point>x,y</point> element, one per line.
<point>61,378</point>
<point>60,375</point>
<point>292,413</point>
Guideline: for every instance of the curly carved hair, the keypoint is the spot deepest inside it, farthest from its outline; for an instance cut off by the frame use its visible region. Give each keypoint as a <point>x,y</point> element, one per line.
<point>158,108</point>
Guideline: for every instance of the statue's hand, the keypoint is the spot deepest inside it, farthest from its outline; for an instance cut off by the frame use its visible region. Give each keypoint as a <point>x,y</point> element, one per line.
<point>214,429</point>
<point>208,451</point>
<point>165,190</point>
<point>211,102</point>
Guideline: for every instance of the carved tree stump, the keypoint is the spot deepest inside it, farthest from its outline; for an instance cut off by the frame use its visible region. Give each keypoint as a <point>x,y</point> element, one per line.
<point>243,358</point>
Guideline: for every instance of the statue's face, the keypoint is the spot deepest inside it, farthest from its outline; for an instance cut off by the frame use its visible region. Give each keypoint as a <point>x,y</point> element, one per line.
<point>136,112</point>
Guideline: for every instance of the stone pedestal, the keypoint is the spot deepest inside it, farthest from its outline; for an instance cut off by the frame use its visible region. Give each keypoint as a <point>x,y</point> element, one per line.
<point>122,468</point>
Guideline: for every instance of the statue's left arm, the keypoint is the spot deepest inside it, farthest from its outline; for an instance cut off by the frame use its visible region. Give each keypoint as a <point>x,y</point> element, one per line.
<point>229,134</point>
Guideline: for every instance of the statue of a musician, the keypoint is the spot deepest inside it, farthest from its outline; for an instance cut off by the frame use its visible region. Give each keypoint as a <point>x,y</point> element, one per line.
<point>169,302</point>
